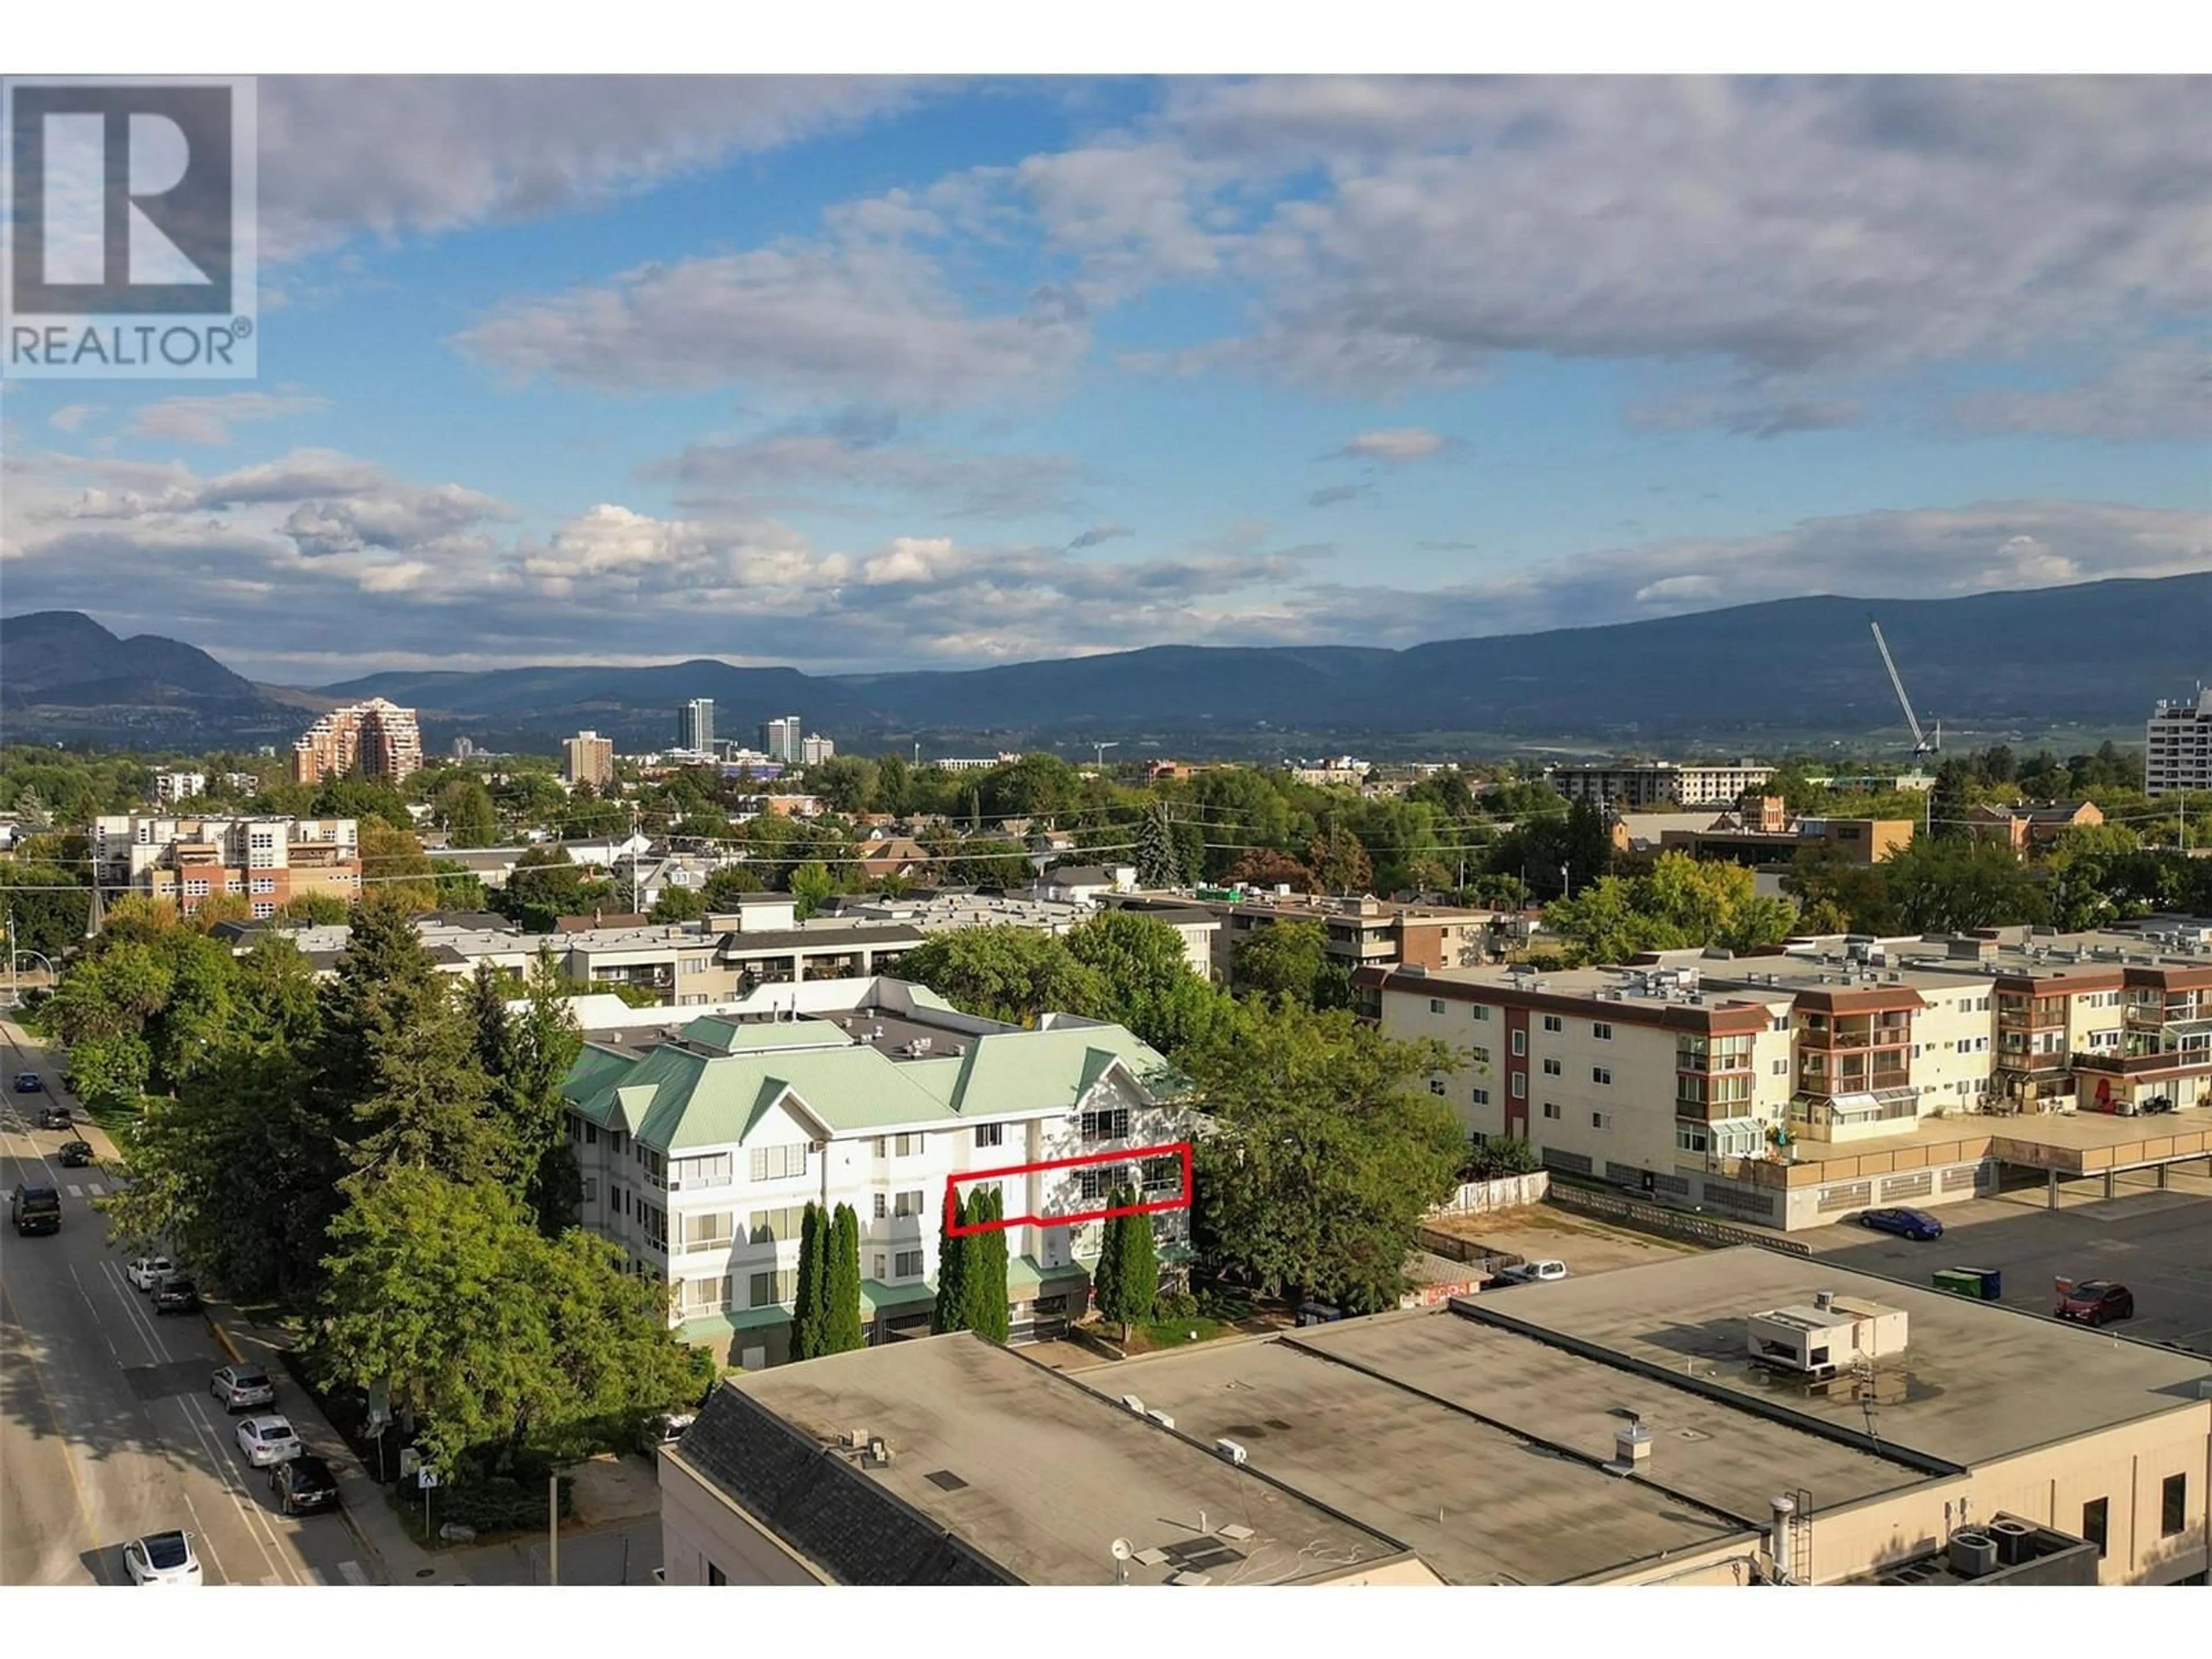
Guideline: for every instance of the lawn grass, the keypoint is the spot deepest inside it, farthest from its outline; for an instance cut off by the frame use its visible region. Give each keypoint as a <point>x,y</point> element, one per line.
<point>1178,1333</point>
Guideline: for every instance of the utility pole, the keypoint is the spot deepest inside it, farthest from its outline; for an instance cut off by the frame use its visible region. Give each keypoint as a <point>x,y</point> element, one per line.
<point>553,1528</point>
<point>15,976</point>
<point>1566,883</point>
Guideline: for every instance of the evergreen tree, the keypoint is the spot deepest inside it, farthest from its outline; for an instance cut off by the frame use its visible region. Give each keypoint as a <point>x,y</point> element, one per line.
<point>986,1287</point>
<point>1948,802</point>
<point>975,1266</point>
<point>1159,860</point>
<point>951,1312</point>
<point>1102,1294</point>
<point>1133,1281</point>
<point>810,1307</point>
<point>843,1331</point>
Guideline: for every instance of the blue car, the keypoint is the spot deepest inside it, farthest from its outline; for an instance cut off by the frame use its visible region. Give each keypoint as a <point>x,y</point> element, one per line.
<point>1905,1224</point>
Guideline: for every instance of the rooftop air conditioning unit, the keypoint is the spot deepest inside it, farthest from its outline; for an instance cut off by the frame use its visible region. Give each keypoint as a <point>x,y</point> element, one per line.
<point>1133,1404</point>
<point>1229,1449</point>
<point>1973,1554</point>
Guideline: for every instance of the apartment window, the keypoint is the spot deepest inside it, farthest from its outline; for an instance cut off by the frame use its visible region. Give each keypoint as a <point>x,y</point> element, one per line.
<point>1161,1175</point>
<point>1690,1137</point>
<point>1552,1068</point>
<point>1102,1181</point>
<point>778,1163</point>
<point>1520,1042</point>
<point>695,964</point>
<point>1601,1074</point>
<point>880,1147</point>
<point>196,890</point>
<point>881,1258</point>
<point>1482,1056</point>
<point>1481,1012</point>
<point>262,884</point>
<point>907,1264</point>
<point>715,1170</point>
<point>1599,1120</point>
<point>2173,1505</point>
<point>1106,1126</point>
<point>1601,1030</point>
<point>654,1221</point>
<point>1436,1086</point>
<point>1435,1004</point>
<point>264,910</point>
<point>1481,1097</point>
<point>591,1189</point>
<point>707,1231</point>
<point>767,1290</point>
<point>990,1135</point>
<point>1553,1023</point>
<point>906,1147</point>
<point>1552,1110</point>
<point>707,1296</point>
<point>909,1206</point>
<point>1780,1023</point>
<point>1781,1069</point>
<point>615,1142</point>
<point>1519,1086</point>
<point>882,1207</point>
<point>781,1226</point>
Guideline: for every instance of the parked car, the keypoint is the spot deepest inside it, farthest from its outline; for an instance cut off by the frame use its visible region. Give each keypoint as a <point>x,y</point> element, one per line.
<point>303,1484</point>
<point>57,1117</point>
<point>241,1385</point>
<point>2096,1302</point>
<point>75,1154</point>
<point>161,1557</point>
<point>27,1082</point>
<point>148,1271</point>
<point>175,1295</point>
<point>1905,1224</point>
<point>266,1440</point>
<point>1533,1273</point>
<point>35,1209</point>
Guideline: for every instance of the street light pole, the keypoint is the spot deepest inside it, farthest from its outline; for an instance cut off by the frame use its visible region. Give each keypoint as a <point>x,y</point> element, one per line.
<point>553,1528</point>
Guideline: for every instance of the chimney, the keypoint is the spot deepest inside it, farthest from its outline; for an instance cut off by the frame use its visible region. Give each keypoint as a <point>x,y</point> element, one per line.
<point>1824,1300</point>
<point>1778,1539</point>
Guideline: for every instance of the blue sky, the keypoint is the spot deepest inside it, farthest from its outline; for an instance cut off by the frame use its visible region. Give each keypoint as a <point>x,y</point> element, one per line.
<point>862,373</point>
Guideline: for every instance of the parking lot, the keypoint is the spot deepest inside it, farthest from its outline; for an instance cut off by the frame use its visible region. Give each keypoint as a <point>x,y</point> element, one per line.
<point>2157,1243</point>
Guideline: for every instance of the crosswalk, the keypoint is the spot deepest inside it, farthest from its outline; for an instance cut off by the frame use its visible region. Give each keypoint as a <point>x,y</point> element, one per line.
<point>89,1189</point>
<point>351,1572</point>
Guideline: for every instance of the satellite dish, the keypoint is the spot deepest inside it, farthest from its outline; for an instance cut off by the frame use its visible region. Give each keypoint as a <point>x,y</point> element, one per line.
<point>1123,1549</point>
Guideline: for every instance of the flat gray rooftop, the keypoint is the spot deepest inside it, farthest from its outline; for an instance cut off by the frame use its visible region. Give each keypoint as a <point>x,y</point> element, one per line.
<point>1976,1380</point>
<point>1480,1506</point>
<point>1041,1475</point>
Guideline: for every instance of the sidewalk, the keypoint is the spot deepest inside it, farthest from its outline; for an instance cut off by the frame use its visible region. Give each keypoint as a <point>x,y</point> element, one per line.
<point>366,1511</point>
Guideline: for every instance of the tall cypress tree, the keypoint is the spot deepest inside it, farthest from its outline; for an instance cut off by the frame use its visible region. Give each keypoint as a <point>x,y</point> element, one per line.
<point>952,1312</point>
<point>985,1270</point>
<point>1137,1268</point>
<point>811,1304</point>
<point>1109,1259</point>
<point>842,1333</point>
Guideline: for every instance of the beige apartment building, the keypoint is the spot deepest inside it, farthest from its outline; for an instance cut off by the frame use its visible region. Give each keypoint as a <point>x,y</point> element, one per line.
<point>1789,1088</point>
<point>591,759</point>
<point>1363,933</point>
<point>375,740</point>
<point>268,860</point>
<point>1615,1429</point>
<point>1633,786</point>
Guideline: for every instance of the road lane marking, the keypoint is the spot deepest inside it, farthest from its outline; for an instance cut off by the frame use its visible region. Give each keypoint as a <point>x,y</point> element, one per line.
<point>351,1572</point>
<point>69,1463</point>
<point>77,1192</point>
<point>94,1189</point>
<point>256,1522</point>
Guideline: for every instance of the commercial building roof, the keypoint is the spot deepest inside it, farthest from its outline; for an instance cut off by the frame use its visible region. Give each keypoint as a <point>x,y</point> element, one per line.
<point>1025,1477</point>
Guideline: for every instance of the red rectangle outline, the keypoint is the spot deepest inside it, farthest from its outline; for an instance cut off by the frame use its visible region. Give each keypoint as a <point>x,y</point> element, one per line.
<point>956,1229</point>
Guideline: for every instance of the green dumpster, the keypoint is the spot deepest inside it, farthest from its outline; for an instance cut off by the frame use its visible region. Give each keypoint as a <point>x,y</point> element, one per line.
<point>1958,1281</point>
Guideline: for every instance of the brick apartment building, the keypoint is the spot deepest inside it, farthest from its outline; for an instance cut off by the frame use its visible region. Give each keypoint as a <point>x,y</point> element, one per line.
<point>1362,932</point>
<point>375,740</point>
<point>267,859</point>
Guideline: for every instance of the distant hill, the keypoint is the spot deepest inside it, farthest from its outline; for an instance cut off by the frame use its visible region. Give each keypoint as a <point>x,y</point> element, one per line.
<point>2093,657</point>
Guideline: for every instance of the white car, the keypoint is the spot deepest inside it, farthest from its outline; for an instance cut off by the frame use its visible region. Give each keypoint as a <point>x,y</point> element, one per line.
<point>241,1385</point>
<point>266,1440</point>
<point>1534,1272</point>
<point>161,1557</point>
<point>148,1271</point>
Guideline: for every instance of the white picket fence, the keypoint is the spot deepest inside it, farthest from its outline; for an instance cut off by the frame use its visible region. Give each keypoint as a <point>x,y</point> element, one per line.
<point>1508,1192</point>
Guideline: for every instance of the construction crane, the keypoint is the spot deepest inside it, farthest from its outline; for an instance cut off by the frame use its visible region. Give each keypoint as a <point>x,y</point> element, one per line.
<point>1922,742</point>
<point>1100,749</point>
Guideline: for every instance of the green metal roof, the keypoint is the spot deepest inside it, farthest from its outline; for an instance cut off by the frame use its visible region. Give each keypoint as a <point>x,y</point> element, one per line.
<point>673,1098</point>
<point>877,1297</point>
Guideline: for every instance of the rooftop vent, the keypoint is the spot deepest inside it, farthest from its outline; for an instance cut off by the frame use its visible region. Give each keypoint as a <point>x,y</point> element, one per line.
<point>1824,1300</point>
<point>1229,1449</point>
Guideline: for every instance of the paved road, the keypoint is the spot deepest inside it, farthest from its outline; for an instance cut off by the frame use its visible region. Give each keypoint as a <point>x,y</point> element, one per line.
<point>107,1428</point>
<point>623,1553</point>
<point>2158,1243</point>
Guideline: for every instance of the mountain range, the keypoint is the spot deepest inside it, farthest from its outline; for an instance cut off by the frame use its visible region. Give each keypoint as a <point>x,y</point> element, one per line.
<point>2090,656</point>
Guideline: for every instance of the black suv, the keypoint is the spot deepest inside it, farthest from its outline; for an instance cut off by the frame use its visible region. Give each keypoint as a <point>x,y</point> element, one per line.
<point>35,1209</point>
<point>303,1484</point>
<point>75,1154</point>
<point>175,1295</point>
<point>27,1082</point>
<point>57,1117</point>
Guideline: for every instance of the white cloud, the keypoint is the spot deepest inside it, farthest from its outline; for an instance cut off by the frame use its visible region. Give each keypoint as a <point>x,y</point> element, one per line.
<point>397,155</point>
<point>1745,413</point>
<point>2155,392</point>
<point>208,420</point>
<point>1396,445</point>
<point>72,416</point>
<point>854,454</point>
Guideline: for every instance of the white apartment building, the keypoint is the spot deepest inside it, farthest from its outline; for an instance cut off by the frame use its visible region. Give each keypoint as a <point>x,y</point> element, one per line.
<point>267,860</point>
<point>701,1146</point>
<point>172,786</point>
<point>814,749</point>
<point>1720,1083</point>
<point>2178,746</point>
<point>1640,786</point>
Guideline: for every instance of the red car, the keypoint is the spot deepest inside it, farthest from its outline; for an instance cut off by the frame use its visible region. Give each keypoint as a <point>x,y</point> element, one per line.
<point>2096,1302</point>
